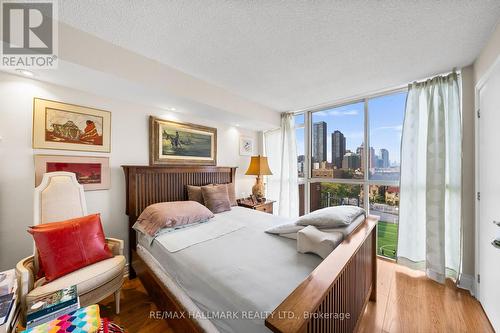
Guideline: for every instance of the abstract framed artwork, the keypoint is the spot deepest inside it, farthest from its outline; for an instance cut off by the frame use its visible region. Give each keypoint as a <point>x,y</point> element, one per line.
<point>246,146</point>
<point>181,143</point>
<point>65,126</point>
<point>92,172</point>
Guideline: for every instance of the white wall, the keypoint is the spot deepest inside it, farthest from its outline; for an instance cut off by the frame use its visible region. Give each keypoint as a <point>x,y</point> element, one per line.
<point>470,77</point>
<point>129,146</point>
<point>488,55</point>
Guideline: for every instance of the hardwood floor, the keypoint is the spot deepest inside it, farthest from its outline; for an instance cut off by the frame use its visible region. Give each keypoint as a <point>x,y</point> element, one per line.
<point>406,302</point>
<point>135,310</point>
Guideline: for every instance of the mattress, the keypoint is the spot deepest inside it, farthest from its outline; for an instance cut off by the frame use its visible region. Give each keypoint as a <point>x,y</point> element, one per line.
<point>237,279</point>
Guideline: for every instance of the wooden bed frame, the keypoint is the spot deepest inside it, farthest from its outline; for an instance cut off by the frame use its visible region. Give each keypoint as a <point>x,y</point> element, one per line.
<point>331,299</point>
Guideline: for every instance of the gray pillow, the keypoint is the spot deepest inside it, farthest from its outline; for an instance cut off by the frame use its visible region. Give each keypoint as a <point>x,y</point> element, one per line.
<point>331,217</point>
<point>216,198</point>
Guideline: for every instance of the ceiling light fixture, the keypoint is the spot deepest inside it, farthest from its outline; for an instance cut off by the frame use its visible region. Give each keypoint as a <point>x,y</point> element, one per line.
<point>25,72</point>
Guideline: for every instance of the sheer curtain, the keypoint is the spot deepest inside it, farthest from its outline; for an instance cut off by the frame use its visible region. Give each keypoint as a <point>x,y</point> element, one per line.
<point>272,146</point>
<point>281,151</point>
<point>430,225</point>
<point>289,184</point>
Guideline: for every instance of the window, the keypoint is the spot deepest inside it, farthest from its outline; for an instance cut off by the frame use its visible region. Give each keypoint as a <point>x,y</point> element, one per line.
<point>335,168</point>
<point>337,142</point>
<point>386,124</point>
<point>327,194</point>
<point>384,202</point>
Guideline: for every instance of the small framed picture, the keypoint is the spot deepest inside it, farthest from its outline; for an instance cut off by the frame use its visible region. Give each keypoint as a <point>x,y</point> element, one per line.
<point>246,146</point>
<point>92,172</point>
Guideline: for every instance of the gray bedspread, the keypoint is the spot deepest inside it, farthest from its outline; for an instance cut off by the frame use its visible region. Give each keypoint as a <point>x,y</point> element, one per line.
<point>238,278</point>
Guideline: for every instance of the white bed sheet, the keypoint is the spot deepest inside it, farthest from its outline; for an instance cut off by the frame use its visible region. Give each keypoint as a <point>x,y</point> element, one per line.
<point>238,278</point>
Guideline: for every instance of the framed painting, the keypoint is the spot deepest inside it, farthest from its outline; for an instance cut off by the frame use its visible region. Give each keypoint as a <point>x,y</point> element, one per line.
<point>246,146</point>
<point>181,143</point>
<point>65,126</point>
<point>92,172</point>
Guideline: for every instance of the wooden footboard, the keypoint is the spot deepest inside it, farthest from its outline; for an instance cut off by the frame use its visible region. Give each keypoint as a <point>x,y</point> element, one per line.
<point>334,295</point>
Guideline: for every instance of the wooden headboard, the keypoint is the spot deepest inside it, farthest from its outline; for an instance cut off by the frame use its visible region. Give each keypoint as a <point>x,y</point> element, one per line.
<point>147,185</point>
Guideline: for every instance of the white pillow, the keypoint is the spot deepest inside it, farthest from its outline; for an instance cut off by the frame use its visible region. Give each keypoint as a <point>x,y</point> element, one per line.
<point>331,217</point>
<point>312,240</point>
<point>286,228</point>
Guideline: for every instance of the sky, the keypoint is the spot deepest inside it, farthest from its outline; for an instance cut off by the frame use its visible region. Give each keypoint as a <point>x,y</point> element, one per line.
<point>386,115</point>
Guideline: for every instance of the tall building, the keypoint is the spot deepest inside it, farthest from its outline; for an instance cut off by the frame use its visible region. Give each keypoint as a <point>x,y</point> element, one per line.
<point>300,165</point>
<point>384,155</point>
<point>361,152</point>
<point>380,163</point>
<point>372,157</point>
<point>351,161</point>
<point>338,148</point>
<point>319,142</point>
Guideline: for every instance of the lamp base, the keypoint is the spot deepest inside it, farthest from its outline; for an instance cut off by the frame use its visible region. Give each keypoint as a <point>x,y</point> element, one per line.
<point>259,188</point>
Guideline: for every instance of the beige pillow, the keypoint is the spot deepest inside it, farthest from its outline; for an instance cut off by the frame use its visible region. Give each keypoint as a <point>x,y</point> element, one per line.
<point>194,193</point>
<point>231,192</point>
<point>216,198</point>
<point>171,215</point>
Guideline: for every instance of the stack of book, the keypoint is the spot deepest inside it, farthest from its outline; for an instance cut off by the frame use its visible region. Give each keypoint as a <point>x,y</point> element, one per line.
<point>83,320</point>
<point>51,306</point>
<point>9,302</point>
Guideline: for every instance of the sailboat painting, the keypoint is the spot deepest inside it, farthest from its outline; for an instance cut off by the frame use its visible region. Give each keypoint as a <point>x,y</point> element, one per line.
<point>182,143</point>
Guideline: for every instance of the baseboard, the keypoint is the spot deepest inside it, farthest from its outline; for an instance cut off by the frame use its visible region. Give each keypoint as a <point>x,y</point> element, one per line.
<point>467,282</point>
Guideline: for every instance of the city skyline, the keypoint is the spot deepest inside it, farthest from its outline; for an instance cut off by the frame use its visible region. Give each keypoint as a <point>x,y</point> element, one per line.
<point>386,120</point>
<point>378,159</point>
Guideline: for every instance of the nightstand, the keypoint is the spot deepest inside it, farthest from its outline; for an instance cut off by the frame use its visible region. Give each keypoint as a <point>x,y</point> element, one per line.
<point>266,206</point>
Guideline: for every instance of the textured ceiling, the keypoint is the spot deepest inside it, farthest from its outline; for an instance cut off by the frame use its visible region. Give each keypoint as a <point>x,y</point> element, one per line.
<point>289,55</point>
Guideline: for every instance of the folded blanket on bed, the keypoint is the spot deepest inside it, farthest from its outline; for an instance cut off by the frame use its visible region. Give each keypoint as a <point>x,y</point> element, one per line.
<point>178,240</point>
<point>312,240</point>
<point>328,219</point>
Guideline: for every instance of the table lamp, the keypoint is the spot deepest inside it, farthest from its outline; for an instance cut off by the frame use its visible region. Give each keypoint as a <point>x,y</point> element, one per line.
<point>258,167</point>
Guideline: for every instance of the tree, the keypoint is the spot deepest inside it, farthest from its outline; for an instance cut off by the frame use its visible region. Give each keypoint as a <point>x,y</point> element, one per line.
<point>340,191</point>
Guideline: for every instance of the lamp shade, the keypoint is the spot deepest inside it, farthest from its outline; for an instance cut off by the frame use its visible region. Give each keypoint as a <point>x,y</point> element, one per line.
<point>258,166</point>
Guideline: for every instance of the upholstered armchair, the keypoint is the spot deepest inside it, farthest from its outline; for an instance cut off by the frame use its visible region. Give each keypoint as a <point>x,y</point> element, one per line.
<point>59,197</point>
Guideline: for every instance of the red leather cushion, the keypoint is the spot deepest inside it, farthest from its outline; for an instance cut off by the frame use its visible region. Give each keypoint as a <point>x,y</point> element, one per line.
<point>66,246</point>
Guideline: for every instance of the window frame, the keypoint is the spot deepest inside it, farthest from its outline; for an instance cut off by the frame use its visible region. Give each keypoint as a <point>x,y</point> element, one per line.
<point>366,182</point>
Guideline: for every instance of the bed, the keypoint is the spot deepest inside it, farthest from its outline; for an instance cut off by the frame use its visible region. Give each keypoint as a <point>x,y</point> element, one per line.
<point>246,280</point>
